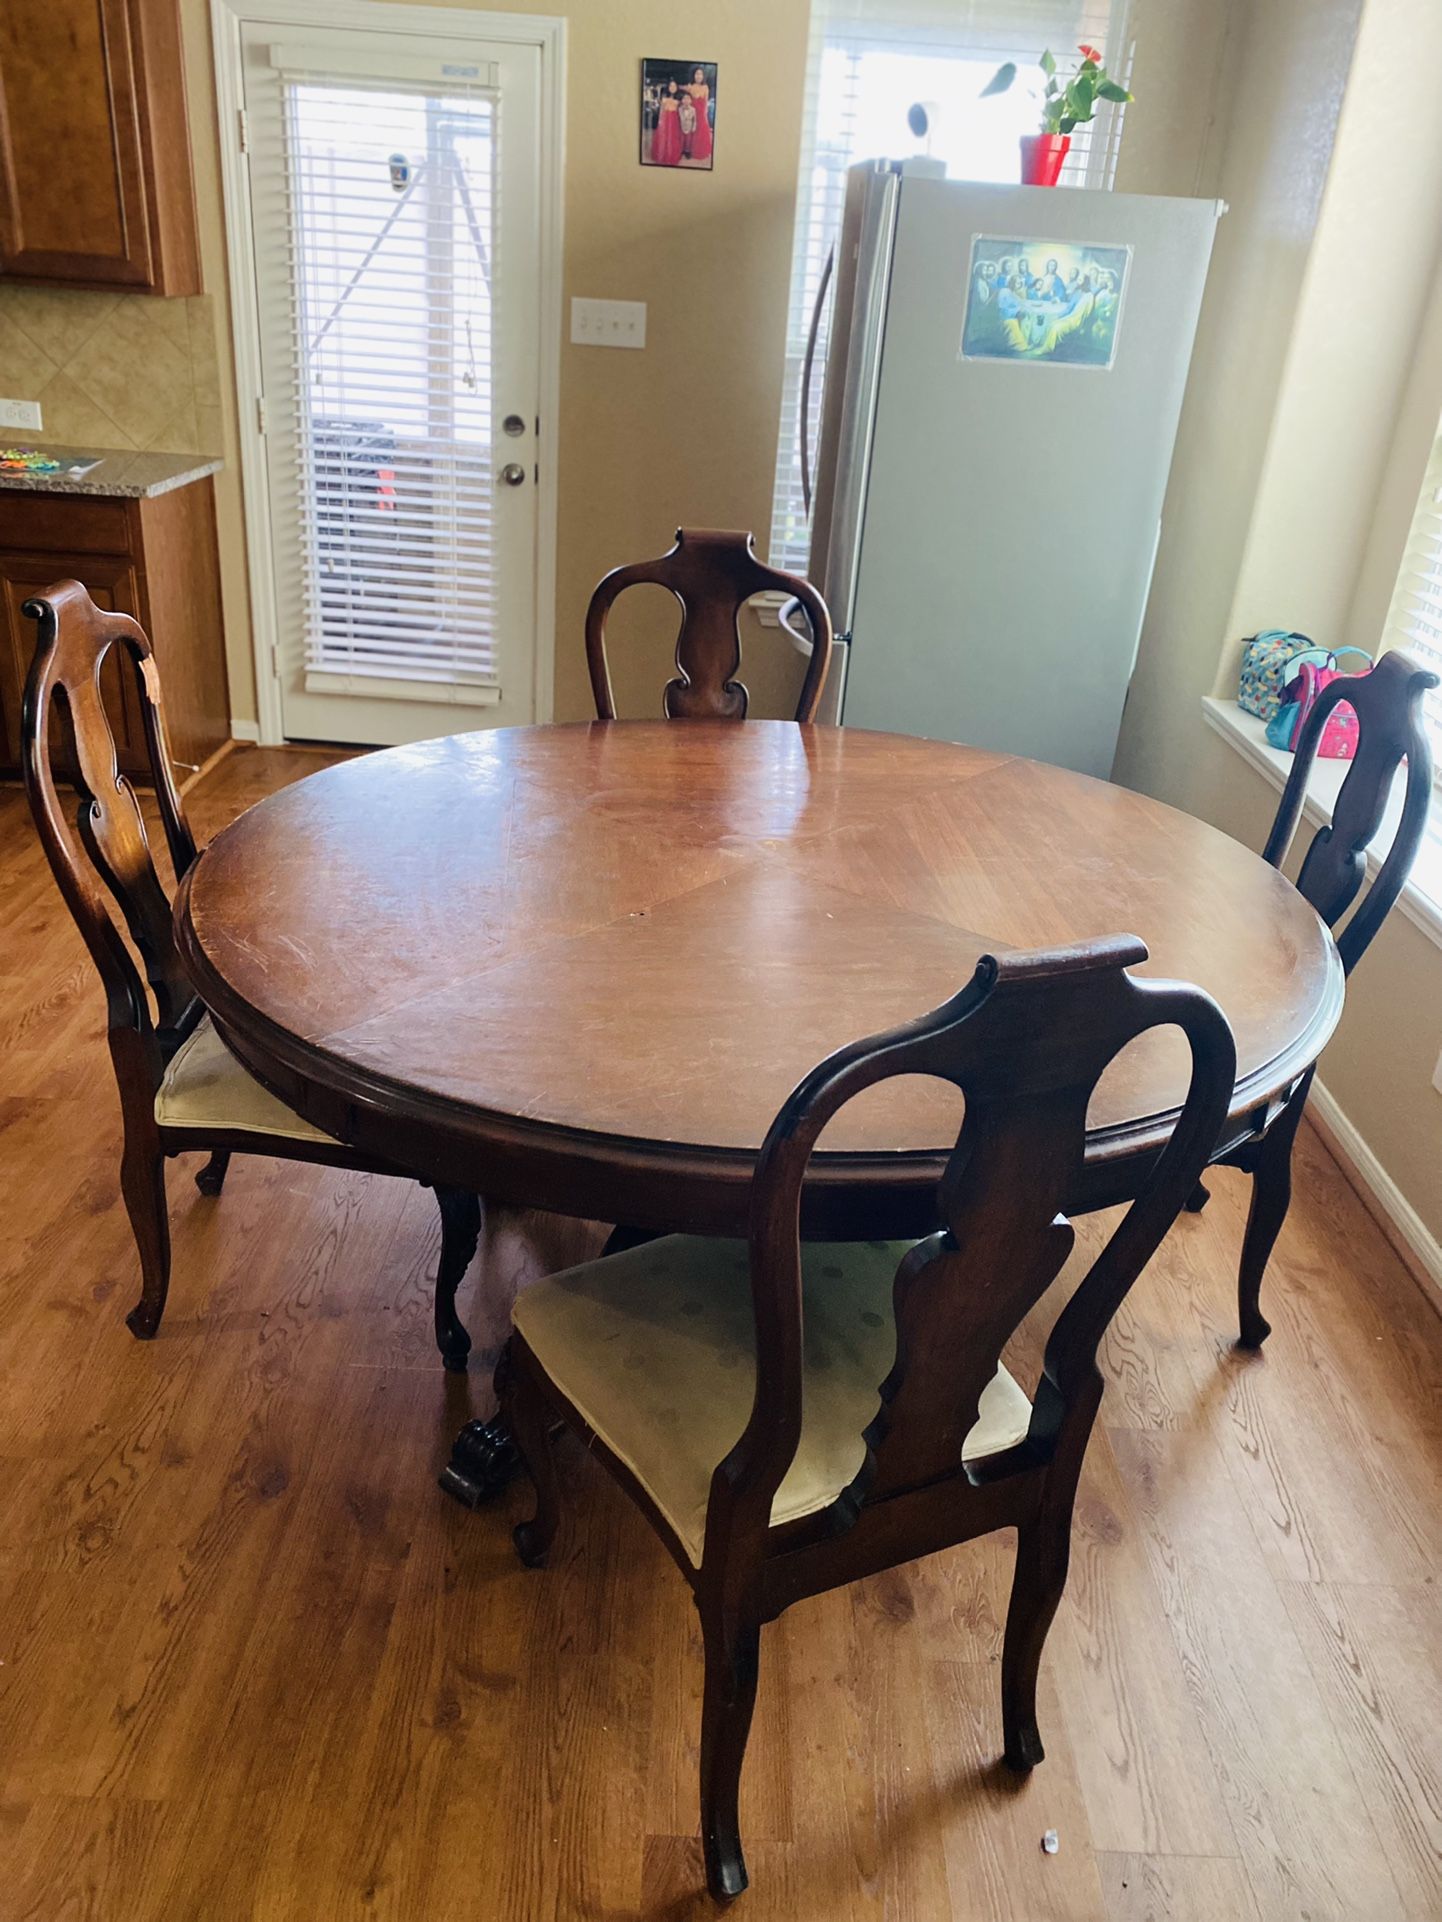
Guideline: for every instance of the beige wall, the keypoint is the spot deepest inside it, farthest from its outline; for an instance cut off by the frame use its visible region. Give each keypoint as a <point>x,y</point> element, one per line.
<point>1182,58</point>
<point>1308,418</point>
<point>1349,359</point>
<point>686,430</point>
<point>1287,62</point>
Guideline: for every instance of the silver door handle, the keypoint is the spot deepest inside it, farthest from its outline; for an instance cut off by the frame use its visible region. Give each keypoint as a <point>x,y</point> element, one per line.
<point>806,367</point>
<point>513,473</point>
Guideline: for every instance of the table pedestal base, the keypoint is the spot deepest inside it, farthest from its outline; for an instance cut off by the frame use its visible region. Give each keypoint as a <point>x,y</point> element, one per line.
<point>483,1460</point>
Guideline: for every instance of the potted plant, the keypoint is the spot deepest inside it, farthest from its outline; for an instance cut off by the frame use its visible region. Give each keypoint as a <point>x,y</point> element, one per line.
<point>1062,108</point>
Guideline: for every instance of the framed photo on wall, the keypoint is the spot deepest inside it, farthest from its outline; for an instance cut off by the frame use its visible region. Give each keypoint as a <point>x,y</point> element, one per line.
<point>678,114</point>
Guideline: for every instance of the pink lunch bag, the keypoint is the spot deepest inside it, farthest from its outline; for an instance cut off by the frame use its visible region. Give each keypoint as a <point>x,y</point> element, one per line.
<point>1300,696</point>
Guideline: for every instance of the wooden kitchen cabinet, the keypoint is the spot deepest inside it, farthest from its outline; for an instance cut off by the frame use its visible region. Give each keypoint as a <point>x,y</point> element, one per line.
<point>112,585</point>
<point>96,187</point>
<point>154,558</point>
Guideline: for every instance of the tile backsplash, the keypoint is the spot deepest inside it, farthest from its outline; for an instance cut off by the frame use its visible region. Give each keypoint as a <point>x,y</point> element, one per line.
<point>113,370</point>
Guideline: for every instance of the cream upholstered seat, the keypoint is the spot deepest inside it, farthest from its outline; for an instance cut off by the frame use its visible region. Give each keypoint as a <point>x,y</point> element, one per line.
<point>204,1086</point>
<point>656,1349</point>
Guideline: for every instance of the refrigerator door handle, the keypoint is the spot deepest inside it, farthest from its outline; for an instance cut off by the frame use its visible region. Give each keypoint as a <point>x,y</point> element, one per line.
<point>806,368</point>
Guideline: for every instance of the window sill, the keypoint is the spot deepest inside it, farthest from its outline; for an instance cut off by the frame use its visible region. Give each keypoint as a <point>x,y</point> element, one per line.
<point>1421,899</point>
<point>767,608</point>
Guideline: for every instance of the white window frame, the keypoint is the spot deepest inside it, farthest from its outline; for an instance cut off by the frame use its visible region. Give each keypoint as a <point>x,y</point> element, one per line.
<point>1397,628</point>
<point>546,32</point>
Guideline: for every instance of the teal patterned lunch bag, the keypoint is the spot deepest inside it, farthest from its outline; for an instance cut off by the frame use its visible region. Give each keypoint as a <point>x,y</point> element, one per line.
<point>1266,661</point>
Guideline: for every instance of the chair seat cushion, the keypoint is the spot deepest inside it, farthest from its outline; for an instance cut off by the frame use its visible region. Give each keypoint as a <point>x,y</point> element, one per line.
<point>205,1087</point>
<point>656,1349</point>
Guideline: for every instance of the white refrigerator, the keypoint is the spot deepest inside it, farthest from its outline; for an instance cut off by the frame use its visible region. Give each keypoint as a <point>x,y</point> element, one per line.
<point>1003,377</point>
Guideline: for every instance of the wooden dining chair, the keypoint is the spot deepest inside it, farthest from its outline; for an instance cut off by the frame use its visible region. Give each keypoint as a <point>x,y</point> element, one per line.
<point>181,1089</point>
<point>1388,703</point>
<point>712,573</point>
<point>791,1418</point>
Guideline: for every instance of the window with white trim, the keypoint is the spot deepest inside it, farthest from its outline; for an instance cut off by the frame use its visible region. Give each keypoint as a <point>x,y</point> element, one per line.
<point>1414,620</point>
<point>390,349</point>
<point>868,62</point>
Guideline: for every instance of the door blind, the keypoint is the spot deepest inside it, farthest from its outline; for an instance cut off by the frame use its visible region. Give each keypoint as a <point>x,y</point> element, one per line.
<point>868,61</point>
<point>389,225</point>
<point>1414,620</point>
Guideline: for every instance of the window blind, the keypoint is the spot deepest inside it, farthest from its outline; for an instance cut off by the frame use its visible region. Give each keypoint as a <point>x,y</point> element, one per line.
<point>388,215</point>
<point>1414,620</point>
<point>868,61</point>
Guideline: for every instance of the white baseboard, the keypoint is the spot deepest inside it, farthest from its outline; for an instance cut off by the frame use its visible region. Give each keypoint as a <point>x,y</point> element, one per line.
<point>1383,1199</point>
<point>248,731</point>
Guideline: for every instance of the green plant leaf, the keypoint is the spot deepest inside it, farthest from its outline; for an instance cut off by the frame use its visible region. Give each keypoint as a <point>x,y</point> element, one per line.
<point>1080,96</point>
<point>1000,80</point>
<point>1047,63</point>
<point>1109,90</point>
<point>1065,124</point>
<point>1051,89</point>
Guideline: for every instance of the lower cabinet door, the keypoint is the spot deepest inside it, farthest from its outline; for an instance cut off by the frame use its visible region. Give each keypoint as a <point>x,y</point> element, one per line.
<point>111,583</point>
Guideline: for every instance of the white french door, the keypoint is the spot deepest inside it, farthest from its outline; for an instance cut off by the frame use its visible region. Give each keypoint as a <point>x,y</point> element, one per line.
<point>393,203</point>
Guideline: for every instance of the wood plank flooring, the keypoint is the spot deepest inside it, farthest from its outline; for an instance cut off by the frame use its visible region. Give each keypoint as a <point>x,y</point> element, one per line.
<point>255,1668</point>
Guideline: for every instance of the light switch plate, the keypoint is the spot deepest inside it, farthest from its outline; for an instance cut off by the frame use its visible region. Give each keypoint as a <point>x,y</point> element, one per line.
<point>20,413</point>
<point>608,323</point>
<point>1437,1075</point>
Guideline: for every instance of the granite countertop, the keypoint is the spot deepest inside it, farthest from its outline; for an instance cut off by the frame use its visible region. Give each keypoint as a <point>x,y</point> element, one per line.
<point>119,476</point>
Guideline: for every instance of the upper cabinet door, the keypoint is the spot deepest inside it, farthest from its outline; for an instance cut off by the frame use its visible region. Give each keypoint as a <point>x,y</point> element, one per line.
<point>95,182</point>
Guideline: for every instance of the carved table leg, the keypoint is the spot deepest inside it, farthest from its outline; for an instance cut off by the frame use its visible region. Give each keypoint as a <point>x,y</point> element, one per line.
<point>460,1233</point>
<point>483,1458</point>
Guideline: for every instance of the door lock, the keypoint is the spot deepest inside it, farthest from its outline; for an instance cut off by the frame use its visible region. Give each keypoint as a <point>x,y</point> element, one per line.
<point>513,473</point>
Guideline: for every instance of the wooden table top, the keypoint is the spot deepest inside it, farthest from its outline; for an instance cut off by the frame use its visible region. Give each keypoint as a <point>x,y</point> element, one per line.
<point>591,950</point>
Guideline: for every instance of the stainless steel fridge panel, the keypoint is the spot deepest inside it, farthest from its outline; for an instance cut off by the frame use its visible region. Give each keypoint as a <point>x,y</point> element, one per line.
<point>831,708</point>
<point>1011,509</point>
<point>853,367</point>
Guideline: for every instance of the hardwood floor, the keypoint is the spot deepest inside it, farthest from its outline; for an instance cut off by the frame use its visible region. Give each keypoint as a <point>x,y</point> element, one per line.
<point>255,1668</point>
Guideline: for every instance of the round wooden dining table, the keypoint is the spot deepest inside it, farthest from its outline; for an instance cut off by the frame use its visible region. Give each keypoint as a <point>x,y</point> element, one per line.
<point>580,967</point>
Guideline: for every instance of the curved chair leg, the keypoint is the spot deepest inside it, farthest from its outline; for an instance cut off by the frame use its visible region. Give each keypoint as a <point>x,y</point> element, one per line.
<point>732,1646</point>
<point>1198,1198</point>
<point>211,1178</point>
<point>142,1182</point>
<point>460,1232</point>
<point>1043,1551</point>
<point>524,1412</point>
<point>1271,1169</point>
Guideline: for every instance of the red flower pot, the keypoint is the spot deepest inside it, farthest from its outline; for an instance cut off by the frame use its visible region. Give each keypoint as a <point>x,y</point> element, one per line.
<point>1041,158</point>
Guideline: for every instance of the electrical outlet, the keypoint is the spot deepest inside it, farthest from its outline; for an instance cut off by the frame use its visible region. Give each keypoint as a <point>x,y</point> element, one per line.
<point>608,323</point>
<point>20,413</point>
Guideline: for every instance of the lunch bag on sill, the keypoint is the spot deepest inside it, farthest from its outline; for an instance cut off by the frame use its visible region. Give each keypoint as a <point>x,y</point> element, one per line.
<point>1268,660</point>
<point>1299,697</point>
